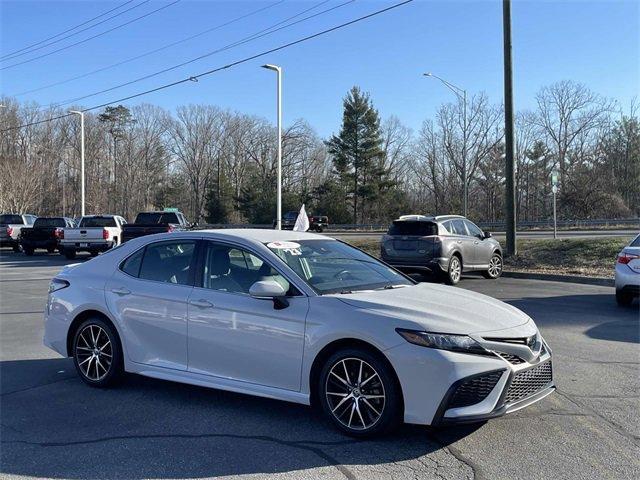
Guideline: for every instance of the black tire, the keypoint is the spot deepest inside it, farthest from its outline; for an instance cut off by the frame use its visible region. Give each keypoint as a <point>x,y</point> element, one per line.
<point>383,414</point>
<point>624,299</point>
<point>495,267</point>
<point>454,270</point>
<point>89,350</point>
<point>51,249</point>
<point>27,251</point>
<point>94,253</point>
<point>69,253</point>
<point>17,248</point>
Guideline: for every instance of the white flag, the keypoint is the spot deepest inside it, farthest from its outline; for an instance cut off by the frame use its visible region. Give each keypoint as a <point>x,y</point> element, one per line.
<point>302,222</point>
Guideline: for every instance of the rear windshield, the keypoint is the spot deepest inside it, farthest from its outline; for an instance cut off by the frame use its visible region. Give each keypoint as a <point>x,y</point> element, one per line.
<point>153,218</point>
<point>98,222</point>
<point>49,222</point>
<point>404,227</point>
<point>636,242</point>
<point>10,219</point>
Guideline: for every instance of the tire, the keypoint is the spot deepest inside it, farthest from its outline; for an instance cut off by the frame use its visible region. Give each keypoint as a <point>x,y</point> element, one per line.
<point>94,253</point>
<point>371,416</point>
<point>96,345</point>
<point>624,299</point>
<point>51,249</point>
<point>69,253</point>
<point>454,270</point>
<point>495,267</point>
<point>17,248</point>
<point>27,251</point>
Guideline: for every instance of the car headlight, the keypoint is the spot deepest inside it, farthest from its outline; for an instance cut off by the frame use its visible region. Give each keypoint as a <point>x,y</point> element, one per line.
<point>57,284</point>
<point>443,341</point>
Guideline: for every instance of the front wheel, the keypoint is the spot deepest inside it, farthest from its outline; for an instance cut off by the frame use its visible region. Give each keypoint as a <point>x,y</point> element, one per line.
<point>359,393</point>
<point>495,267</point>
<point>454,271</point>
<point>97,354</point>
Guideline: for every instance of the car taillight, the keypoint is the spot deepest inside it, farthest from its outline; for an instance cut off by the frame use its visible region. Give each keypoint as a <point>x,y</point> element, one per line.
<point>170,228</point>
<point>625,258</point>
<point>437,239</point>
<point>9,231</point>
<point>59,233</point>
<point>105,234</point>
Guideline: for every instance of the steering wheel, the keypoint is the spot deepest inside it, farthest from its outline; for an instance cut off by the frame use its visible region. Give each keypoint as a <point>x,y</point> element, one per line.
<point>341,273</point>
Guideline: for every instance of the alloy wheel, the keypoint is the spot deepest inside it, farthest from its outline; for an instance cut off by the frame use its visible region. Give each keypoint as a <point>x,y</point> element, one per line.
<point>355,393</point>
<point>455,270</point>
<point>495,266</point>
<point>94,352</point>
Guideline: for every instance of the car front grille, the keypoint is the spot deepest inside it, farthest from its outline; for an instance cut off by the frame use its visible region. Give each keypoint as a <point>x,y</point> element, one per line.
<point>513,359</point>
<point>474,390</point>
<point>529,382</point>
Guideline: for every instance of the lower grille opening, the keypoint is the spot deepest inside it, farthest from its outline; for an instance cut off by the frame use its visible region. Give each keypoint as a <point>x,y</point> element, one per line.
<point>513,359</point>
<point>474,390</point>
<point>529,382</point>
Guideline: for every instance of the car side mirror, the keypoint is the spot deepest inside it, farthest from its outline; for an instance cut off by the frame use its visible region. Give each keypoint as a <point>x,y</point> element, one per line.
<point>486,235</point>
<point>270,290</point>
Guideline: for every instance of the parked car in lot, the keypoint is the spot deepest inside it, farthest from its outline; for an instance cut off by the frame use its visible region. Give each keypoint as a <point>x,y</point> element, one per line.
<point>299,317</point>
<point>148,223</point>
<point>45,234</point>
<point>317,223</point>
<point>11,224</point>
<point>445,245</point>
<point>628,273</point>
<point>94,234</point>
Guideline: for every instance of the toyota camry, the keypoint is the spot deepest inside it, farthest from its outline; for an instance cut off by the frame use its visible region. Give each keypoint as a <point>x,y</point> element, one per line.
<point>298,317</point>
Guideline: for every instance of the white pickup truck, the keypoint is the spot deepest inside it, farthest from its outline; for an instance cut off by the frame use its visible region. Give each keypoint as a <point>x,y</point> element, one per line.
<point>95,234</point>
<point>11,224</point>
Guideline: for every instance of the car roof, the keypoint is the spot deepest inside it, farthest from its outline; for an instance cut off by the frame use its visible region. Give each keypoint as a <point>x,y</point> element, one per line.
<point>426,218</point>
<point>260,235</point>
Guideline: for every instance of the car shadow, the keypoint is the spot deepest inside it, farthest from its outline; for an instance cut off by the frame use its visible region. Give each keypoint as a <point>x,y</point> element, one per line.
<point>11,259</point>
<point>55,426</point>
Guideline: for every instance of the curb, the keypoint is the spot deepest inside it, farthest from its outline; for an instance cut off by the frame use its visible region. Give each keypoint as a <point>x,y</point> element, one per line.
<point>600,281</point>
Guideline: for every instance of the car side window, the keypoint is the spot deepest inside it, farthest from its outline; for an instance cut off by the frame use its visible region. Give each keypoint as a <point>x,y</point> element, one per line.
<point>474,230</point>
<point>234,270</point>
<point>168,262</point>
<point>458,227</point>
<point>131,266</point>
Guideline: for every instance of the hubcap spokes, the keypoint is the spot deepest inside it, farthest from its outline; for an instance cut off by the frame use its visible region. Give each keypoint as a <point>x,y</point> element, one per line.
<point>455,270</point>
<point>355,393</point>
<point>93,352</point>
<point>495,266</point>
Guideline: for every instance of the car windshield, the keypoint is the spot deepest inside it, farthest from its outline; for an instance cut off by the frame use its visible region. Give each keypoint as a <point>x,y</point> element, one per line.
<point>10,219</point>
<point>49,222</point>
<point>153,218</point>
<point>636,242</point>
<point>89,222</point>
<point>329,266</point>
<point>404,227</point>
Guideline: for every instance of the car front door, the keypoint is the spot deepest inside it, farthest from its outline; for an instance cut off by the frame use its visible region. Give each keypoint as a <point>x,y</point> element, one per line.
<point>148,295</point>
<point>463,241</point>
<point>482,249</point>
<point>235,336</point>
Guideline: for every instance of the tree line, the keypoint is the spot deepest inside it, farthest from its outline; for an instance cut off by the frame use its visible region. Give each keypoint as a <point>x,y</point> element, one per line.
<point>219,166</point>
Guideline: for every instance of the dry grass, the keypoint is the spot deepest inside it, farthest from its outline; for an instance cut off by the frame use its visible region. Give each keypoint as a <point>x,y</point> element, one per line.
<point>592,257</point>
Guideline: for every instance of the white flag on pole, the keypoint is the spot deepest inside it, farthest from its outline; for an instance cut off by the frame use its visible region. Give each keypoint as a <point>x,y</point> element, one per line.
<point>302,222</point>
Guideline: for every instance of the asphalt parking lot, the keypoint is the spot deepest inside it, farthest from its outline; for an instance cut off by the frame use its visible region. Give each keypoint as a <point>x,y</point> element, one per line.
<point>52,425</point>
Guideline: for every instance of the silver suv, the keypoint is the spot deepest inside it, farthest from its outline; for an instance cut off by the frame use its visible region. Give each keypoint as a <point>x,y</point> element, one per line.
<point>444,245</point>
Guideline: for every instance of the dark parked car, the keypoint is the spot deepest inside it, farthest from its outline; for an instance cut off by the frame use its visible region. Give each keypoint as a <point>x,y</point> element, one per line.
<point>318,223</point>
<point>444,245</point>
<point>148,223</point>
<point>44,234</point>
<point>11,224</point>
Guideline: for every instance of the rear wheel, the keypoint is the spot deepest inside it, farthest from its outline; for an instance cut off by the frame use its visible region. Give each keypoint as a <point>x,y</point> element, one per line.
<point>17,248</point>
<point>97,354</point>
<point>27,251</point>
<point>624,299</point>
<point>495,267</point>
<point>69,253</point>
<point>454,271</point>
<point>359,393</point>
<point>94,253</point>
<point>51,249</point>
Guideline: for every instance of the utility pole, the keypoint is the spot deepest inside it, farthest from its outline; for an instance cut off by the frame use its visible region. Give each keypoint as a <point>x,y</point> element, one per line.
<point>77,112</point>
<point>278,70</point>
<point>554,190</point>
<point>510,201</point>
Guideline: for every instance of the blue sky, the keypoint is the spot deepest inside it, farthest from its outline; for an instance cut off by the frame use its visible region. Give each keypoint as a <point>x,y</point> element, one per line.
<point>593,42</point>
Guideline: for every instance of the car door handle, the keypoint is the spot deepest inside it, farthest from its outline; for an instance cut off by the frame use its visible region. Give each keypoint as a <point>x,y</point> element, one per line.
<point>121,291</point>
<point>201,303</point>
<point>476,242</point>
<point>459,241</point>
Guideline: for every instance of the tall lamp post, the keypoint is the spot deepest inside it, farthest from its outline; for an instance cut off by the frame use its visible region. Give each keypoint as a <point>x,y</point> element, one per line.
<point>77,112</point>
<point>461,93</point>
<point>278,70</point>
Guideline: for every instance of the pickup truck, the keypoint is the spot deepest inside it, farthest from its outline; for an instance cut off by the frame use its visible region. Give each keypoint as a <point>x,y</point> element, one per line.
<point>94,234</point>
<point>11,225</point>
<point>148,223</point>
<point>44,234</point>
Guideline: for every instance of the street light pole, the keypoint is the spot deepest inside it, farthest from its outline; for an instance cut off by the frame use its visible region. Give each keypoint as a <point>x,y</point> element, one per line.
<point>461,93</point>
<point>278,70</point>
<point>77,112</point>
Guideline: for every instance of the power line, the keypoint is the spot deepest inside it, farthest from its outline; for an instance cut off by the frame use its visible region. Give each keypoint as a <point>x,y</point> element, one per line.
<point>151,52</point>
<point>92,37</point>
<point>10,54</point>
<point>195,78</point>
<point>262,33</point>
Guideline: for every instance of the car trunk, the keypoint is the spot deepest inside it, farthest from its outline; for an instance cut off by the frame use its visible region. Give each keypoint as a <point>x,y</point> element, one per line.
<point>411,240</point>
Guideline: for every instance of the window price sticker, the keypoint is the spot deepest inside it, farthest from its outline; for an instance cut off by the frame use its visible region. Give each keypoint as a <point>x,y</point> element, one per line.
<point>292,248</point>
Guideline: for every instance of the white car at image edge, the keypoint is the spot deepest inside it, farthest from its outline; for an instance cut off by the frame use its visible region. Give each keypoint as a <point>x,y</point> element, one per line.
<point>628,273</point>
<point>298,317</point>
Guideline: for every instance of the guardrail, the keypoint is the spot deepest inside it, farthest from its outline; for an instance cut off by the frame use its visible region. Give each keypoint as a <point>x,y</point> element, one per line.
<point>491,226</point>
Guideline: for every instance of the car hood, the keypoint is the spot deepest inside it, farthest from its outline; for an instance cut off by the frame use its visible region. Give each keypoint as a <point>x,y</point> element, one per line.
<point>439,308</point>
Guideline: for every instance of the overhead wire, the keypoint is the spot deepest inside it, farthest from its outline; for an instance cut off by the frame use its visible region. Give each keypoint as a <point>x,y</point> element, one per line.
<point>225,67</point>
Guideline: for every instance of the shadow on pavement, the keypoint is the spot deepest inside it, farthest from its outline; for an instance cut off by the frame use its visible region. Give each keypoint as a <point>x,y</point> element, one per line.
<point>55,426</point>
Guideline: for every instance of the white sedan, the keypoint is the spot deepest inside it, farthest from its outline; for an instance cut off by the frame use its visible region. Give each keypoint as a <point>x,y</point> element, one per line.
<point>628,273</point>
<point>298,317</point>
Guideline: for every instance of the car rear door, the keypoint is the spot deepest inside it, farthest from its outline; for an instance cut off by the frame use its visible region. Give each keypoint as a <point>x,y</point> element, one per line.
<point>464,242</point>
<point>482,249</point>
<point>148,294</point>
<point>236,336</point>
